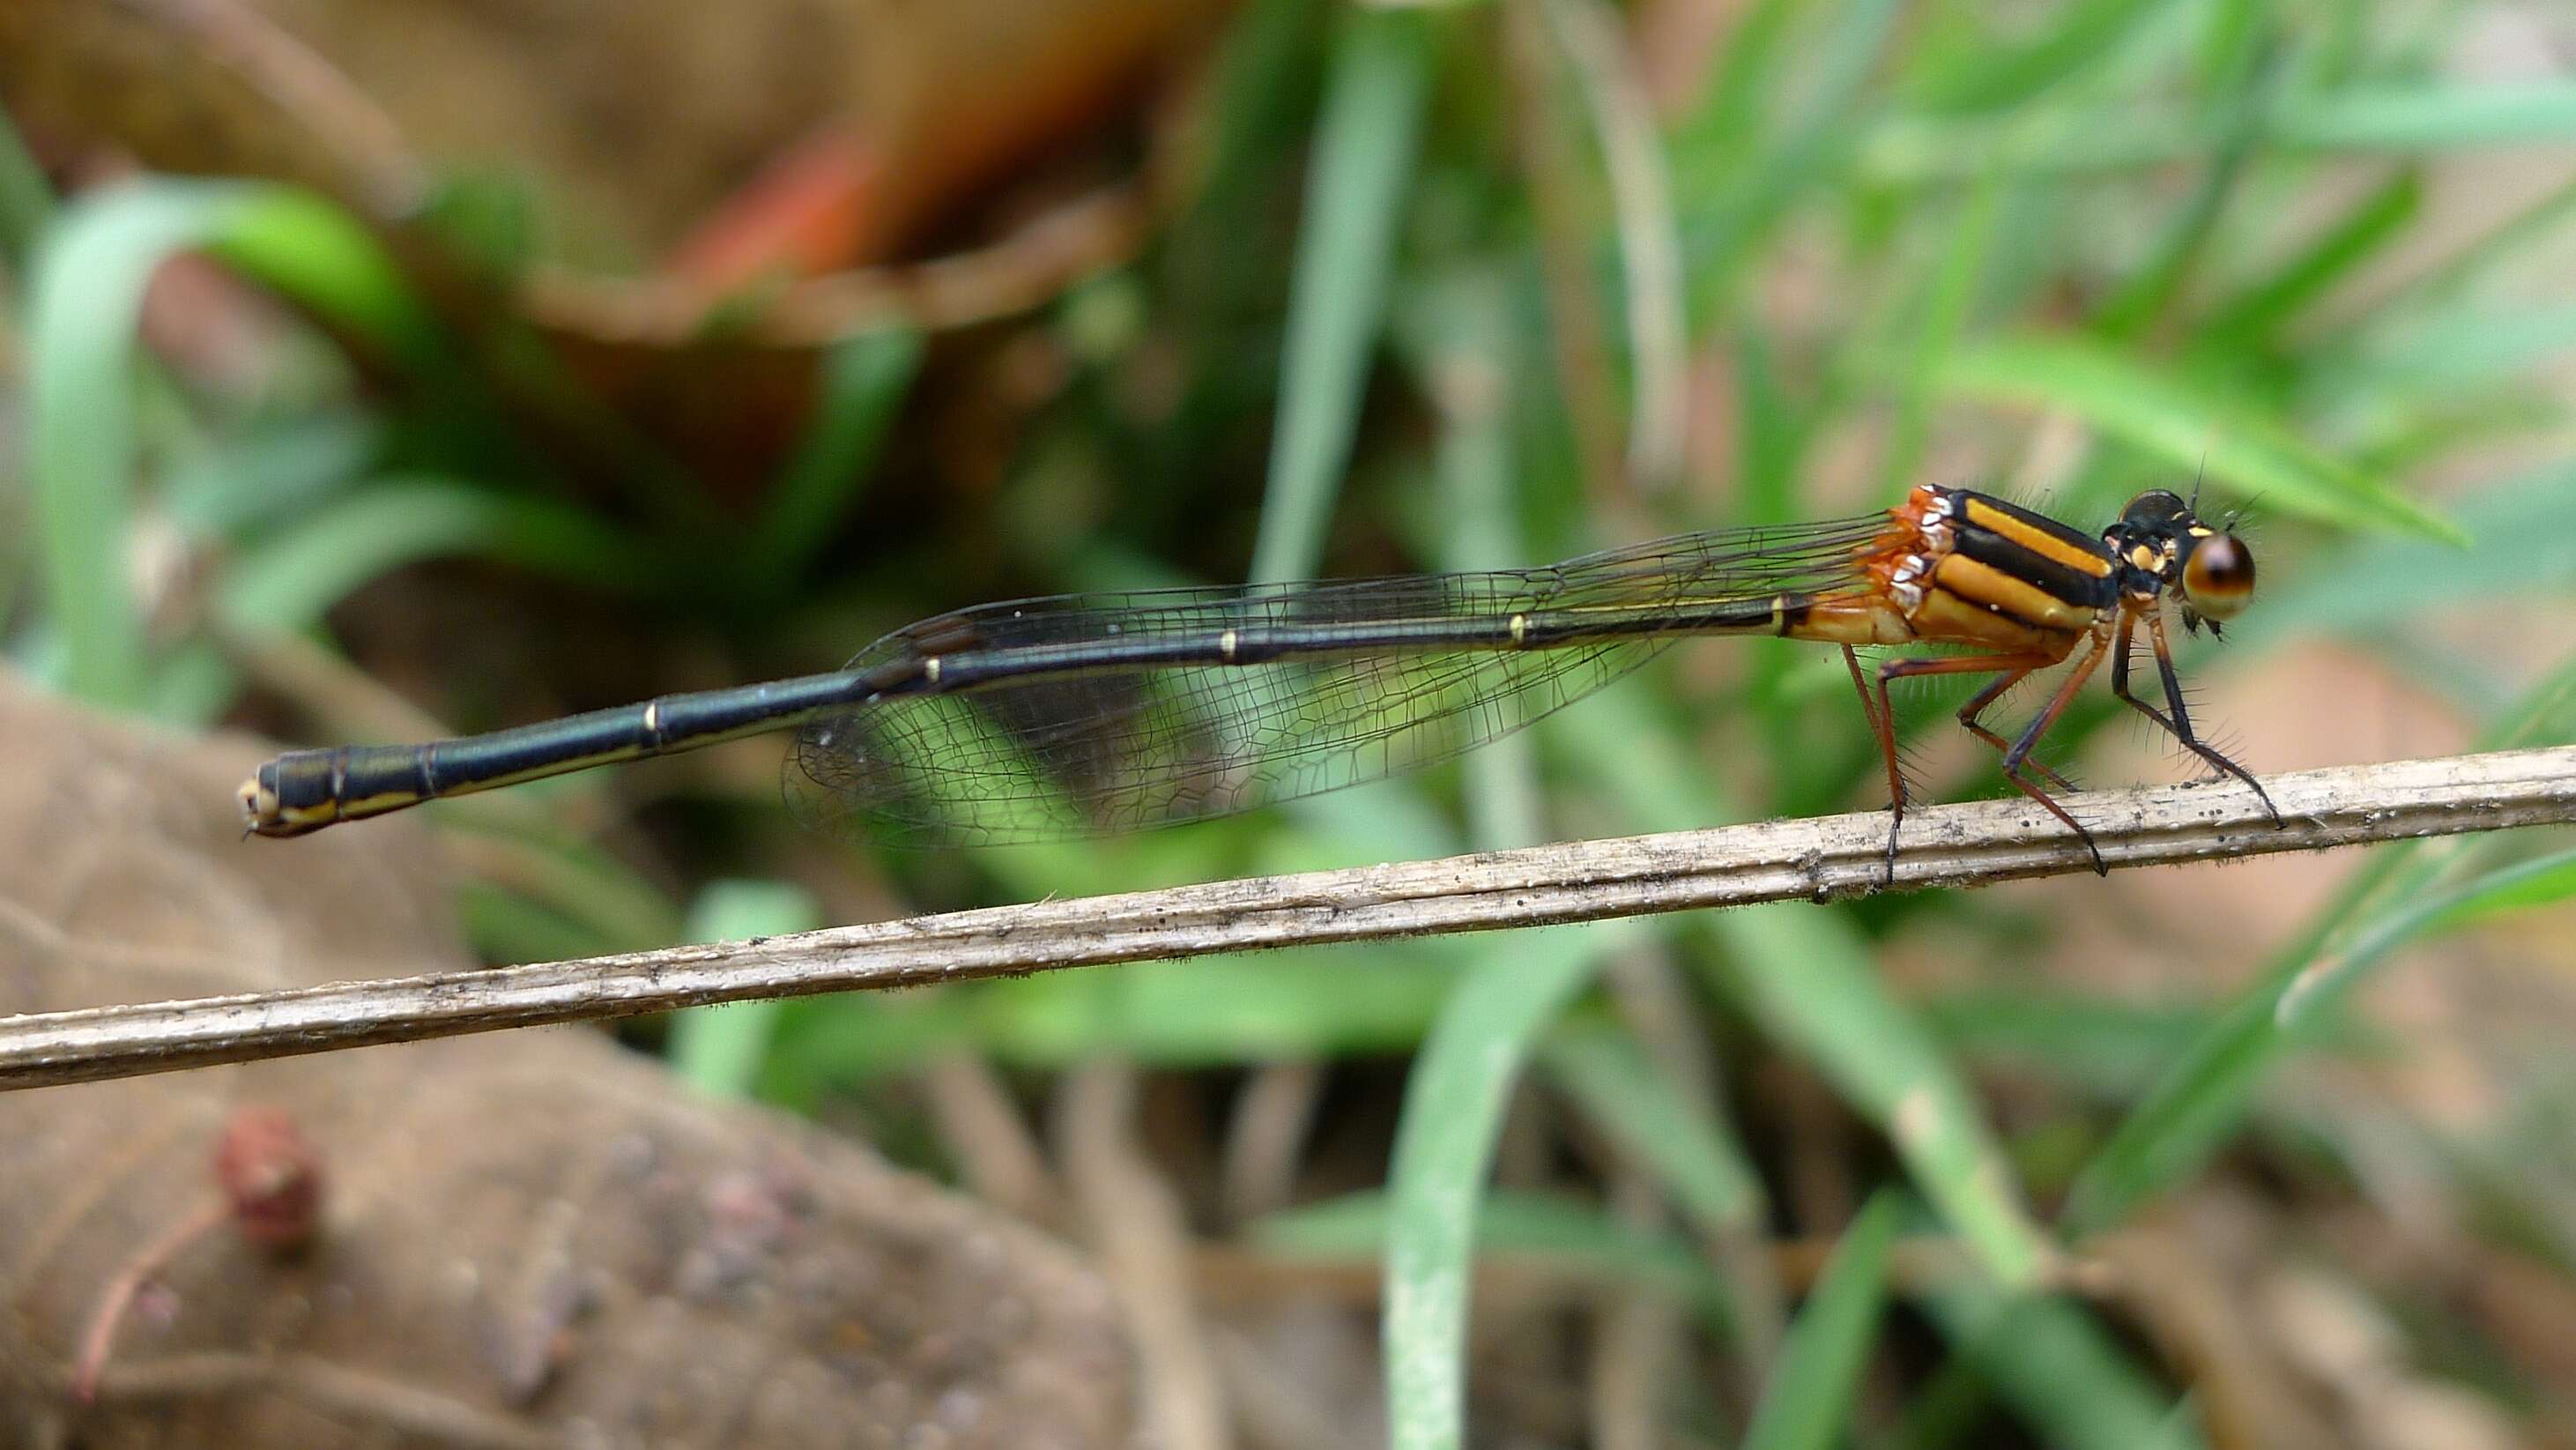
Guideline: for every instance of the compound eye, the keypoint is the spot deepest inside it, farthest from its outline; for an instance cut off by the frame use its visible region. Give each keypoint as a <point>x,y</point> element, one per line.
<point>2219,576</point>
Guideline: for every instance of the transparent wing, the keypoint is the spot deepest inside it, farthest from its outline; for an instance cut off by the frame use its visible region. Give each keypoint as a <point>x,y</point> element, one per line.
<point>1113,748</point>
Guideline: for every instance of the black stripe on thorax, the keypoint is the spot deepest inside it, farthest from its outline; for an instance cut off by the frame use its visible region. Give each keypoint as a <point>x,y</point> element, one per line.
<point>2094,586</point>
<point>1969,500</point>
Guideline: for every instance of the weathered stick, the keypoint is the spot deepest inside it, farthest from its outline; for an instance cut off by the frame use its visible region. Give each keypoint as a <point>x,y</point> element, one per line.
<point>1956,845</point>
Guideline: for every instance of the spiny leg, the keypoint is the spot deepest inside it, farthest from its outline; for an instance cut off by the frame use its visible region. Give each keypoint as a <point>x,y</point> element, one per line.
<point>2019,754</point>
<point>1976,706</point>
<point>1883,726</point>
<point>2178,725</point>
<point>1884,716</point>
<point>1880,726</point>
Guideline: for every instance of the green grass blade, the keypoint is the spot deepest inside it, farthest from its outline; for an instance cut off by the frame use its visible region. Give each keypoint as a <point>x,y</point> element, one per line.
<point>720,1050</point>
<point>288,581</point>
<point>1458,338</point>
<point>1806,975</point>
<point>1565,1234</point>
<point>2111,1049</point>
<point>2546,881</point>
<point>1696,1157</point>
<point>26,201</point>
<point>2515,238</point>
<point>864,381</point>
<point>1808,1400</point>
<point>1589,35</point>
<point>1808,978</point>
<point>1991,78</point>
<point>331,264</point>
<point>271,471</point>
<point>1719,130</point>
<point>87,289</point>
<point>1944,313</point>
<point>1728,206</point>
<point>566,898</point>
<point>2370,587</point>
<point>1365,146</point>
<point>2366,227</point>
<point>1775,434</point>
<point>2436,117</point>
<point>2138,305</point>
<point>1303,1004</point>
<point>1312,1004</point>
<point>2478,350</point>
<point>2060,1370</point>
<point>2403,120</point>
<point>488,219</point>
<point>2185,423</point>
<point>1453,1107</point>
<point>2201,1099</point>
<point>1463,1075</point>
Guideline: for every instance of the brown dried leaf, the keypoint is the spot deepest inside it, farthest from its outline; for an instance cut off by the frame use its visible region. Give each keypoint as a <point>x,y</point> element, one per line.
<point>811,141</point>
<point>527,1236</point>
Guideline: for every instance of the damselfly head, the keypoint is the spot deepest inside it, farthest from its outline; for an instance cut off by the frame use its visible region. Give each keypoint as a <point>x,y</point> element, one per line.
<point>2158,511</point>
<point>2210,565</point>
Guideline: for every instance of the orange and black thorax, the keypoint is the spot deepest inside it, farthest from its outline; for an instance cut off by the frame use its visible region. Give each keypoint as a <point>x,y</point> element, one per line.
<point>1960,567</point>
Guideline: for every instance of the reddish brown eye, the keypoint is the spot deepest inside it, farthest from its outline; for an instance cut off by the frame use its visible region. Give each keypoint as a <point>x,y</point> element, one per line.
<point>2219,577</point>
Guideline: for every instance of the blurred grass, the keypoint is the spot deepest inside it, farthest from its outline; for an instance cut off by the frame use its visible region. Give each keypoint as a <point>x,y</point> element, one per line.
<point>2072,251</point>
<point>2186,1116</point>
<point>862,390</point>
<point>720,1050</point>
<point>1807,1404</point>
<point>1709,1172</point>
<point>2054,1362</point>
<point>1472,1055</point>
<point>1375,90</point>
<point>1552,1230</point>
<point>84,301</point>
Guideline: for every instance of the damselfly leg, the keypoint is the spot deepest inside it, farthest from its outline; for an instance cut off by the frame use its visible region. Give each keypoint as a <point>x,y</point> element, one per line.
<point>2018,757</point>
<point>2178,724</point>
<point>2011,669</point>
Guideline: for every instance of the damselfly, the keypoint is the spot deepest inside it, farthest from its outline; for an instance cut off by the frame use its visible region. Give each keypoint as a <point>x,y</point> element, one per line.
<point>1083,715</point>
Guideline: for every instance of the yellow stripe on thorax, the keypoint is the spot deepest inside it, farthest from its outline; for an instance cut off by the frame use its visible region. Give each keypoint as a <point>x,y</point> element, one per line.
<point>2026,602</point>
<point>2039,541</point>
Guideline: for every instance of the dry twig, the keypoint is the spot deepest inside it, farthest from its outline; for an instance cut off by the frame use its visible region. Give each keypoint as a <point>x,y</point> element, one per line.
<point>1819,859</point>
